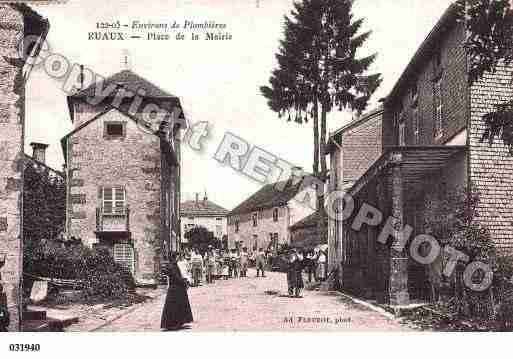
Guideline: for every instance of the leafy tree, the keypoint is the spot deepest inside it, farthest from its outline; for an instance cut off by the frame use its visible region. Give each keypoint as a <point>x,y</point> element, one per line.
<point>319,70</point>
<point>200,238</point>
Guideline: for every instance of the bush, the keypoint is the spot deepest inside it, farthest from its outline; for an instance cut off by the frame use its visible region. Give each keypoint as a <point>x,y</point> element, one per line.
<point>94,270</point>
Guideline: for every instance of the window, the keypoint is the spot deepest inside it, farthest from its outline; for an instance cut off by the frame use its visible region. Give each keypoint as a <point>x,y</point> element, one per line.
<point>219,219</point>
<point>167,212</point>
<point>438,59</point>
<point>255,219</point>
<point>113,200</point>
<point>402,133</point>
<point>114,129</point>
<point>415,93</point>
<point>219,231</point>
<point>438,105</point>
<point>416,125</point>
<point>236,225</point>
<point>275,215</point>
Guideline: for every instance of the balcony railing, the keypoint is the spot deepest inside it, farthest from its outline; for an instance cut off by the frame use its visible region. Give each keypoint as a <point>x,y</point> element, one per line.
<point>118,221</point>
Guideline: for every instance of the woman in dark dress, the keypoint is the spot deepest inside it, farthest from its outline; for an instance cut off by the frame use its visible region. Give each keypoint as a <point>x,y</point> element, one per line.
<point>177,310</point>
<point>294,274</point>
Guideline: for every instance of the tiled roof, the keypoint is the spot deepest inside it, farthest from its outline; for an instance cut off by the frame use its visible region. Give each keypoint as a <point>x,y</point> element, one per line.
<point>131,82</point>
<point>310,221</point>
<point>202,208</point>
<point>269,196</point>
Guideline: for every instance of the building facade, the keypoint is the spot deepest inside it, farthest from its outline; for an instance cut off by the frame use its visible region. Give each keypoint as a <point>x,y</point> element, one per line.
<point>431,142</point>
<point>204,213</point>
<point>263,220</point>
<point>16,22</point>
<point>123,177</point>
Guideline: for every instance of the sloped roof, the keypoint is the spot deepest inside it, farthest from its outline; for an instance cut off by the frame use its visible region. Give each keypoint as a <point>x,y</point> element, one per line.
<point>131,82</point>
<point>271,195</point>
<point>308,222</point>
<point>202,208</point>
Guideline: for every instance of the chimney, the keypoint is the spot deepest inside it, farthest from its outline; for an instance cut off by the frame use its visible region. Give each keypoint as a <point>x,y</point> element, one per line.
<point>205,198</point>
<point>39,151</point>
<point>197,198</point>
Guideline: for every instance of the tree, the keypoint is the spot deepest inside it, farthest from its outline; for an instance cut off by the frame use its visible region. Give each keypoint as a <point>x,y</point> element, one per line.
<point>489,43</point>
<point>44,203</point>
<point>200,238</point>
<point>319,70</point>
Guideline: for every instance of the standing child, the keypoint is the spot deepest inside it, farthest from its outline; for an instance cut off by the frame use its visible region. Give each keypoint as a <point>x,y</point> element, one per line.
<point>260,262</point>
<point>244,259</point>
<point>197,267</point>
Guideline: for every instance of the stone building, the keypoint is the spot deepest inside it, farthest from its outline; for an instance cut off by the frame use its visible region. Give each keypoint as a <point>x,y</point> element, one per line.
<point>17,21</point>
<point>431,132</point>
<point>124,175</point>
<point>204,213</point>
<point>263,220</point>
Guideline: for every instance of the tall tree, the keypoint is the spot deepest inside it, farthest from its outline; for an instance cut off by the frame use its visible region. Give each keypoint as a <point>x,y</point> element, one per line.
<point>489,44</point>
<point>320,69</point>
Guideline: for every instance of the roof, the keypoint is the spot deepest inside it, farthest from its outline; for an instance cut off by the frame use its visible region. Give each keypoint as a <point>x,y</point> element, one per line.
<point>39,163</point>
<point>133,84</point>
<point>202,208</point>
<point>269,196</point>
<point>307,222</point>
<point>446,22</point>
<point>336,136</point>
<point>416,163</point>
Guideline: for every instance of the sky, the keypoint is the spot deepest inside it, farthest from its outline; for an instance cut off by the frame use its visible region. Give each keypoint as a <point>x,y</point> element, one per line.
<point>217,81</point>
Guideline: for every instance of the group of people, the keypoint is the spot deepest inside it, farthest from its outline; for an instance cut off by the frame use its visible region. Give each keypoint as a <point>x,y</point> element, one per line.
<point>314,262</point>
<point>186,269</point>
<point>189,269</point>
<point>217,264</point>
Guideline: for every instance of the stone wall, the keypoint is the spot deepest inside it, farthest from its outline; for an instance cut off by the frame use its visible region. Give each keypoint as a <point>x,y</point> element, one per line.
<point>12,103</point>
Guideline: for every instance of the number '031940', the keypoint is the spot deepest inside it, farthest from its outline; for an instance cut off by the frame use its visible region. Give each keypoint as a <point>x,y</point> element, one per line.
<point>24,347</point>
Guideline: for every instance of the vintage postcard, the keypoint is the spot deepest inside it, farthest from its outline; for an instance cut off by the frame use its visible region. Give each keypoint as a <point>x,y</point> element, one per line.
<point>255,166</point>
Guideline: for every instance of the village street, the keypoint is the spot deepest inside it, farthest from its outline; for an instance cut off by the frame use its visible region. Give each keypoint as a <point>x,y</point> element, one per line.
<point>258,304</point>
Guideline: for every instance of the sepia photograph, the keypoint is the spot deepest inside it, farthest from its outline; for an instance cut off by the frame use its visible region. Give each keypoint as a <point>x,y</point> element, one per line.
<point>255,166</point>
